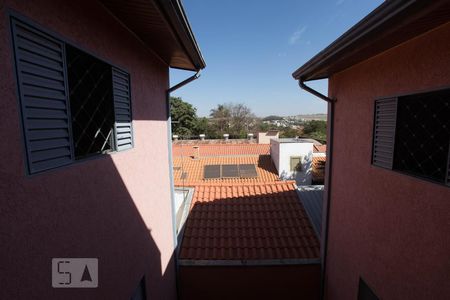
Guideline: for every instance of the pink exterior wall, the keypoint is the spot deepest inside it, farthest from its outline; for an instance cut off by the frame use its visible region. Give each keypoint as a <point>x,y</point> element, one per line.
<point>115,207</point>
<point>391,229</point>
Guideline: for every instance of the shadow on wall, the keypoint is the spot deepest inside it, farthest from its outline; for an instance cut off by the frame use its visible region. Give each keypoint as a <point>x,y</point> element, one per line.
<point>300,177</point>
<point>83,210</point>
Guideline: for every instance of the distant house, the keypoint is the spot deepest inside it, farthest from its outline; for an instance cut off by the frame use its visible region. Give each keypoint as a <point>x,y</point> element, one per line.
<point>293,159</point>
<point>388,176</point>
<point>85,164</point>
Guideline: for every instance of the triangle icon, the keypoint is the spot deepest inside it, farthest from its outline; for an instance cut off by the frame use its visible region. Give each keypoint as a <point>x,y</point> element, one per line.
<point>86,275</point>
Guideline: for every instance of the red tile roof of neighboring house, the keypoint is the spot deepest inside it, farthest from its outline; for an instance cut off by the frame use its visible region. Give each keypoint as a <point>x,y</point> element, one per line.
<point>248,221</point>
<point>193,169</point>
<point>220,149</point>
<point>320,148</point>
<point>318,168</point>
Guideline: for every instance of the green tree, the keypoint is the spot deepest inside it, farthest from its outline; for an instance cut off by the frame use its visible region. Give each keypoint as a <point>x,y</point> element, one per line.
<point>234,119</point>
<point>184,117</point>
<point>242,120</point>
<point>221,117</point>
<point>203,126</point>
<point>289,132</point>
<point>316,129</point>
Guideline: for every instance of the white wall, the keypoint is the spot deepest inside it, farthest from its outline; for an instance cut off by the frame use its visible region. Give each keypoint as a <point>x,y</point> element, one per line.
<point>281,153</point>
<point>265,137</point>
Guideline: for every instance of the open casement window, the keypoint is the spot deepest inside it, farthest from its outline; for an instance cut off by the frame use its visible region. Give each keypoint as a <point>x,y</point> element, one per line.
<point>73,105</point>
<point>412,135</point>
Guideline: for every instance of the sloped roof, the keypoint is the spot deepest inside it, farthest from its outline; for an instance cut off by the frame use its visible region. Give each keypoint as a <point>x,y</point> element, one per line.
<point>220,149</point>
<point>162,25</point>
<point>392,23</point>
<point>318,168</point>
<point>253,221</point>
<point>320,148</point>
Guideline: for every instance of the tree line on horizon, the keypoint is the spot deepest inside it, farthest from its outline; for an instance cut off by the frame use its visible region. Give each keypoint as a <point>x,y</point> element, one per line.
<point>235,119</point>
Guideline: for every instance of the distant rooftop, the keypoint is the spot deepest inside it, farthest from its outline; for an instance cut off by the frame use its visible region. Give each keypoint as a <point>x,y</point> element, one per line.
<point>190,172</point>
<point>320,148</point>
<point>312,199</point>
<point>298,140</point>
<point>204,150</point>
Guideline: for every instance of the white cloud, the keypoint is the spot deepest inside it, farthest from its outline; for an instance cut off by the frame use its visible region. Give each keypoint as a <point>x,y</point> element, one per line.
<point>295,37</point>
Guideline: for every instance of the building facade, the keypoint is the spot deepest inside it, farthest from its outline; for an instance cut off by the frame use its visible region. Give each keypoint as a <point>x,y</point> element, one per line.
<point>59,200</point>
<point>388,203</point>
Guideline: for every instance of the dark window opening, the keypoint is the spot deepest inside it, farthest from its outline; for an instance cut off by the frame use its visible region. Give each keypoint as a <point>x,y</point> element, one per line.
<point>423,135</point>
<point>364,291</point>
<point>91,103</point>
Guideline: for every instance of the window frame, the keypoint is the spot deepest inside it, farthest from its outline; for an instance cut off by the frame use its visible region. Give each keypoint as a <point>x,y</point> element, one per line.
<point>13,15</point>
<point>397,96</point>
<point>300,163</point>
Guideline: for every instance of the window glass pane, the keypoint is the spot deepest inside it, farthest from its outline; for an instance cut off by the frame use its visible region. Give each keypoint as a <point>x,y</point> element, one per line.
<point>422,135</point>
<point>91,103</point>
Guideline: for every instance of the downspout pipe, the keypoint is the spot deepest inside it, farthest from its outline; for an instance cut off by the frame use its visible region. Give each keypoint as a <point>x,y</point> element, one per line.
<point>172,190</point>
<point>184,82</point>
<point>310,90</point>
<point>331,104</point>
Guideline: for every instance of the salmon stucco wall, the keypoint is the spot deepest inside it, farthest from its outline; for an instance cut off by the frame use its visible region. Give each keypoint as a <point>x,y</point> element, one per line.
<point>116,207</point>
<point>388,228</point>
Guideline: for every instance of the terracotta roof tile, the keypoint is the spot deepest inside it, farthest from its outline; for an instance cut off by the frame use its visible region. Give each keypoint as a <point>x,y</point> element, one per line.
<point>220,149</point>
<point>318,168</point>
<point>320,148</point>
<point>255,220</point>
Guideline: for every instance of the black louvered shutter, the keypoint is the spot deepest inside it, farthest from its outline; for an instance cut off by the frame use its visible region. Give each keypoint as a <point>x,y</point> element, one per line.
<point>41,75</point>
<point>384,132</point>
<point>122,110</point>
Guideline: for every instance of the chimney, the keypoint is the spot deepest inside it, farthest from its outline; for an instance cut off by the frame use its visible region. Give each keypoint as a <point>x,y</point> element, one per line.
<point>196,152</point>
<point>226,136</point>
<point>175,137</point>
<point>202,137</point>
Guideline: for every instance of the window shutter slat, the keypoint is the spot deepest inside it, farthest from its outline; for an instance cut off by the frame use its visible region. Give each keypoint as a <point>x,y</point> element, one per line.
<point>41,76</point>
<point>384,132</point>
<point>122,110</point>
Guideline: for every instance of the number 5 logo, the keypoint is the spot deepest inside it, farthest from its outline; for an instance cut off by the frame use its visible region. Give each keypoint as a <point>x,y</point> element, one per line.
<point>64,273</point>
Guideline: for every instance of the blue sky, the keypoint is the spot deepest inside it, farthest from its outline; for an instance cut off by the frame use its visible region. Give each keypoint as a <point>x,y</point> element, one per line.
<point>252,47</point>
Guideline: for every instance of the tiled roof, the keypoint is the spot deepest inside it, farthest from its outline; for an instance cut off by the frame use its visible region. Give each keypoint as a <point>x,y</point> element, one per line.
<point>248,221</point>
<point>220,149</point>
<point>320,148</point>
<point>193,169</point>
<point>318,168</point>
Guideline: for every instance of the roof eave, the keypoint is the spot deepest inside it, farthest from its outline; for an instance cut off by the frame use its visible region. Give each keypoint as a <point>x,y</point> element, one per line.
<point>177,18</point>
<point>377,27</point>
